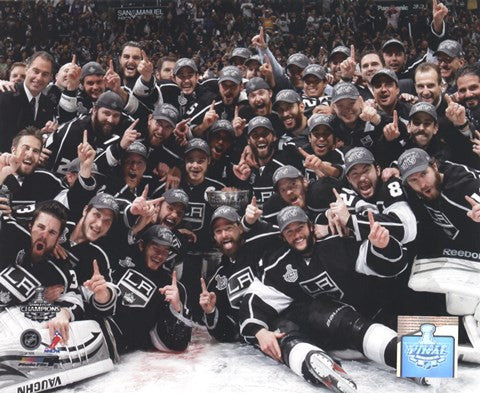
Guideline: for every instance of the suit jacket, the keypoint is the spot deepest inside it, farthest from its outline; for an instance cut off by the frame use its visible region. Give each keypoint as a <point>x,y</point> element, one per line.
<point>16,114</point>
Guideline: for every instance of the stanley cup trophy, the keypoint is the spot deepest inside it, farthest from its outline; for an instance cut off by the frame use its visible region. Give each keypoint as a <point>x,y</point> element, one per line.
<point>238,199</point>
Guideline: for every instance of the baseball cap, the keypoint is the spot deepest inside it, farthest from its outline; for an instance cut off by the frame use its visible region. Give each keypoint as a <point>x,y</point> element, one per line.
<point>393,42</point>
<point>253,58</point>
<point>450,48</point>
<point>166,112</point>
<point>74,167</point>
<point>424,107</point>
<point>226,212</point>
<point>339,49</point>
<point>137,148</point>
<point>197,144</point>
<point>358,155</point>
<point>230,73</point>
<point>412,161</point>
<point>386,72</point>
<point>287,95</point>
<point>244,53</point>
<point>176,195</point>
<point>298,59</point>
<point>91,68</point>
<point>259,121</point>
<point>319,119</point>
<point>222,125</point>
<point>315,70</point>
<point>159,235</point>
<point>184,62</point>
<point>344,90</point>
<point>255,84</point>
<point>285,172</point>
<point>110,100</point>
<point>104,201</point>
<point>290,214</point>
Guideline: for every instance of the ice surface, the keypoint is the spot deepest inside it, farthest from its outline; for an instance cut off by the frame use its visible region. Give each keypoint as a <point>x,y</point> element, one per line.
<point>208,366</point>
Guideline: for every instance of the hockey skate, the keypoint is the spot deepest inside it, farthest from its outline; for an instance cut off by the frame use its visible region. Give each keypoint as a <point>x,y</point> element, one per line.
<point>319,368</point>
<point>32,362</point>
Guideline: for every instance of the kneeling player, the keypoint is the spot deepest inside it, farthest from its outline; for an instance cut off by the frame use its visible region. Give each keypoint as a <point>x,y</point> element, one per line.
<point>150,311</point>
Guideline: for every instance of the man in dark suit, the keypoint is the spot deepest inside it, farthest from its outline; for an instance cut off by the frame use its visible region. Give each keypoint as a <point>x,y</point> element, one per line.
<point>27,106</point>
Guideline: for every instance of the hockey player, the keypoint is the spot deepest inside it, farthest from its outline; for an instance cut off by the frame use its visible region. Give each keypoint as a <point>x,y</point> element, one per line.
<point>367,191</point>
<point>262,141</point>
<point>241,241</point>
<point>19,172</point>
<point>305,292</point>
<point>293,189</point>
<point>103,126</point>
<point>314,83</point>
<point>150,311</point>
<point>445,198</point>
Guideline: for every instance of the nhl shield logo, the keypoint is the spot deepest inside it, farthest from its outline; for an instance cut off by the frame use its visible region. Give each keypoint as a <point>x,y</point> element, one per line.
<point>291,275</point>
<point>30,339</point>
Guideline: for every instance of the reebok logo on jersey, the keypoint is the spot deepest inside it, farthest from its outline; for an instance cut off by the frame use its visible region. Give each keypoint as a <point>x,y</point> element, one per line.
<point>461,253</point>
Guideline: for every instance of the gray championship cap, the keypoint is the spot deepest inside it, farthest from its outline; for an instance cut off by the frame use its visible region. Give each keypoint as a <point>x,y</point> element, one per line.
<point>137,148</point>
<point>424,107</point>
<point>255,58</point>
<point>315,70</point>
<point>176,195</point>
<point>285,172</point>
<point>109,100</point>
<point>226,212</point>
<point>339,49</point>
<point>290,214</point>
<point>104,201</point>
<point>243,53</point>
<point>319,119</point>
<point>393,42</point>
<point>92,68</point>
<point>298,59</point>
<point>166,112</point>
<point>222,125</point>
<point>385,72</point>
<point>358,155</point>
<point>412,161</point>
<point>159,235</point>
<point>255,84</point>
<point>259,121</point>
<point>287,95</point>
<point>197,144</point>
<point>184,62</point>
<point>74,167</point>
<point>344,90</point>
<point>230,73</point>
<point>450,48</point>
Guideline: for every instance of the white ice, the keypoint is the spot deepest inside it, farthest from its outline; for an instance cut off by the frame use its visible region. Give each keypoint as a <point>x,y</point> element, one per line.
<point>208,366</point>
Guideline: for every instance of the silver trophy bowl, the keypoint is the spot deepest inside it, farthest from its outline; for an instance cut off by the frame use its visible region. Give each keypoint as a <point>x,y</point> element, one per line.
<point>236,199</point>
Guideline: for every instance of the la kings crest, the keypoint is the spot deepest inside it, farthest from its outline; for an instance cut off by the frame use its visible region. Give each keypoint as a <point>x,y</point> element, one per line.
<point>195,215</point>
<point>137,290</point>
<point>238,283</point>
<point>18,282</point>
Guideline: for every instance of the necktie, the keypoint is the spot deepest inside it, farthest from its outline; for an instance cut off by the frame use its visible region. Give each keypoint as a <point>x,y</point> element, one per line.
<point>32,104</point>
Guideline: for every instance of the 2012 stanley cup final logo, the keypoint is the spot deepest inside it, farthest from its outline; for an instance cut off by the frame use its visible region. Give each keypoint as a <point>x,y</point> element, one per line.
<point>38,309</point>
<point>428,351</point>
